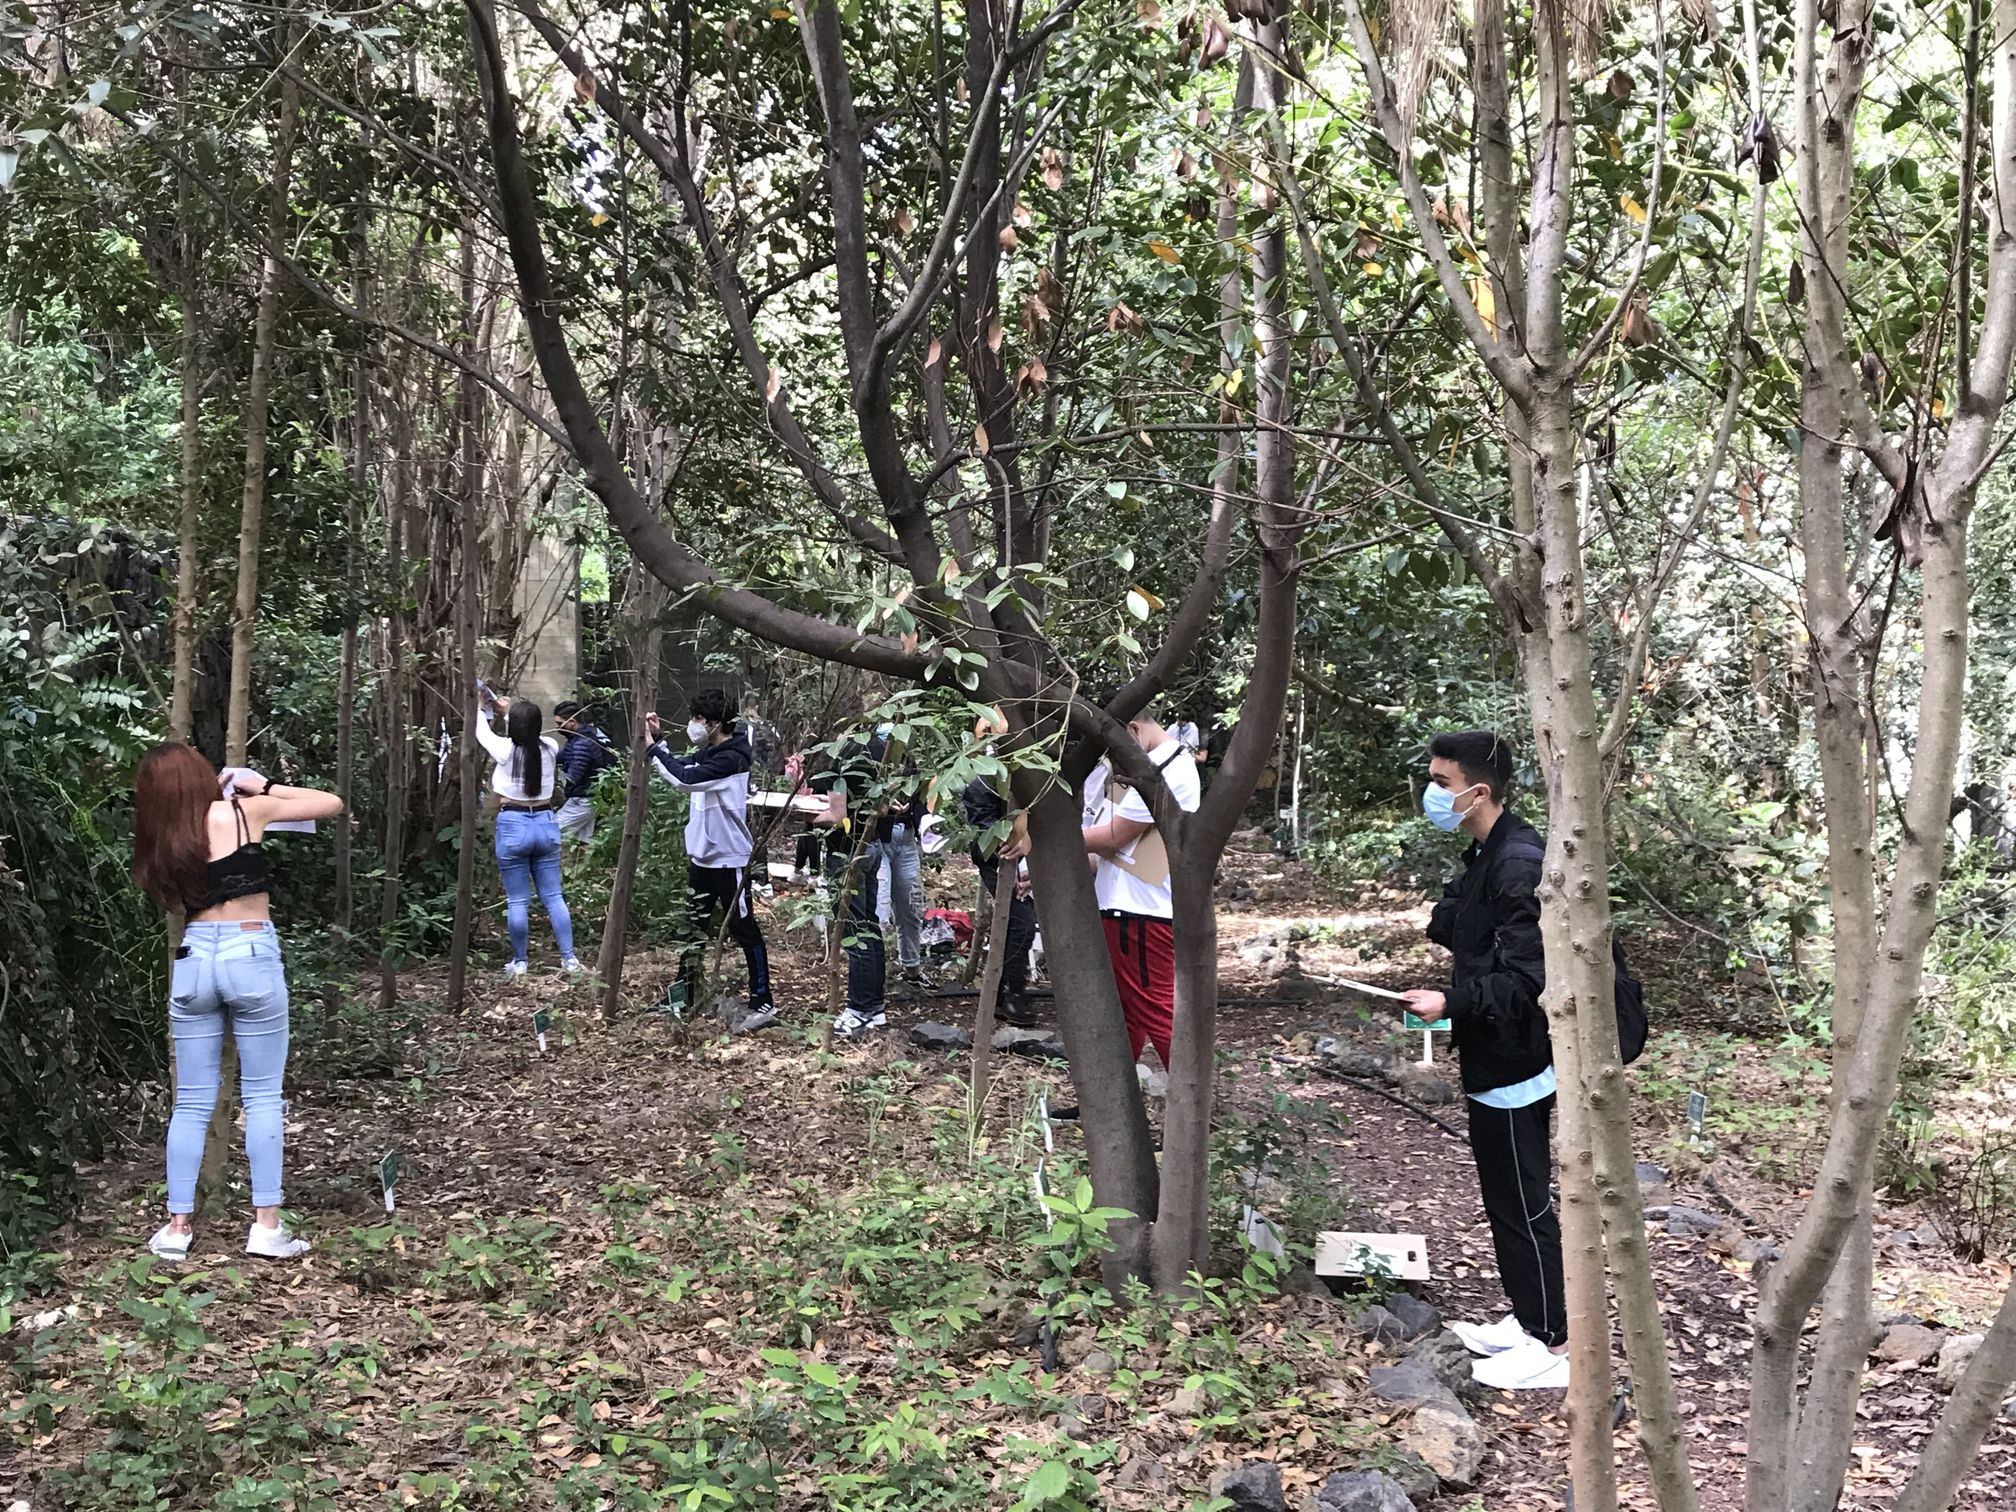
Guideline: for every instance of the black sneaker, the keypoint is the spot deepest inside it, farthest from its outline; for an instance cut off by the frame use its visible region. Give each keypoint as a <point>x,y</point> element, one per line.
<point>1015,1013</point>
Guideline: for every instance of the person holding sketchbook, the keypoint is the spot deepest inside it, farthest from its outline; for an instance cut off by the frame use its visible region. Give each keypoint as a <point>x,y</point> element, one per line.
<point>1131,877</point>
<point>1489,921</point>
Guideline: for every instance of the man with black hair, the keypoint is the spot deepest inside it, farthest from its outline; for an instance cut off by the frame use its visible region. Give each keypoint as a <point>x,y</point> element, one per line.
<point>1489,921</point>
<point>715,776</point>
<point>585,757</point>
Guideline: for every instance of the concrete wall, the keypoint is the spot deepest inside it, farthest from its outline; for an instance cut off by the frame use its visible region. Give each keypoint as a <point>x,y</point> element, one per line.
<point>546,660</point>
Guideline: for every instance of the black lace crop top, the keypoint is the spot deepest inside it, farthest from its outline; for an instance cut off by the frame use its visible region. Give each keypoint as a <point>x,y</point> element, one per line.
<point>242,874</point>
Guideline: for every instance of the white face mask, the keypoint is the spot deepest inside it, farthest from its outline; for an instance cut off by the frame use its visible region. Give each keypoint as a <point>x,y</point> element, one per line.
<point>696,730</point>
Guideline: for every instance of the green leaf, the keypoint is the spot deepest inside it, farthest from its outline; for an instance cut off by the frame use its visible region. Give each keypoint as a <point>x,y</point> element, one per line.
<point>822,1373</point>
<point>1051,1480</point>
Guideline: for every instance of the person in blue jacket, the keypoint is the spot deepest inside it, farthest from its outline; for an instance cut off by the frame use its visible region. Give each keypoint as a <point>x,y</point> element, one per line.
<point>585,757</point>
<point>715,776</point>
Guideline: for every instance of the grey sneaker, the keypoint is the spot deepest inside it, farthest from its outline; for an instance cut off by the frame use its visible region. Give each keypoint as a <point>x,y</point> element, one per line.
<point>170,1244</point>
<point>852,1026</point>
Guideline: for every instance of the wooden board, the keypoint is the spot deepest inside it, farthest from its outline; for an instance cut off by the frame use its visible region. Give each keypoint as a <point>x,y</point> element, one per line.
<point>1404,1257</point>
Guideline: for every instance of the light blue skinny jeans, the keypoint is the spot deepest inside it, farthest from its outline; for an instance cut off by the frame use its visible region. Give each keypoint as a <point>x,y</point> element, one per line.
<point>528,856</point>
<point>229,976</point>
<point>901,891</point>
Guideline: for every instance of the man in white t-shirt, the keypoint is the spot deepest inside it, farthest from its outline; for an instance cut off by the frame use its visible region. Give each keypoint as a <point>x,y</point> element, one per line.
<point>1131,877</point>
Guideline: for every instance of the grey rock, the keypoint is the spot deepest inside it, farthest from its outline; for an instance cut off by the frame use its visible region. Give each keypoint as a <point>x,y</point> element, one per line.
<point>1650,1175</point>
<point>1335,1056</point>
<point>1098,1363</point>
<point>1251,1487</point>
<point>1153,1083</point>
<point>1909,1344</point>
<point>1037,1044</point>
<point>940,1037</point>
<point>1380,1326</point>
<point>1191,1401</point>
<point>1084,1418</point>
<point>1954,1356</point>
<point>1423,1086</point>
<point>1417,1317</point>
<point>1448,1442</point>
<point>1301,1281</point>
<point>1361,1491</point>
<point>2009,1411</point>
<point>1754,1251</point>
<point>753,1021</point>
<point>1443,1356</point>
<point>1412,1383</point>
<point>1692,1221</point>
<point>1414,1474</point>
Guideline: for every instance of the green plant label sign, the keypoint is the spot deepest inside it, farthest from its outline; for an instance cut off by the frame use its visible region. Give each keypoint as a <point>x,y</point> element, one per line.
<point>1697,1112</point>
<point>542,1021</point>
<point>1421,1025</point>
<point>388,1176</point>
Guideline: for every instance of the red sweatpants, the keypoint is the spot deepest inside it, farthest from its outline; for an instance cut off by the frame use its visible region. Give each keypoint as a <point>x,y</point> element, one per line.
<point>1144,969</point>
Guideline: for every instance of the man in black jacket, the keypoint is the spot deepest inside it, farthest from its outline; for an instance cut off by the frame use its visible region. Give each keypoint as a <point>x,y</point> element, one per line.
<point>1489,920</point>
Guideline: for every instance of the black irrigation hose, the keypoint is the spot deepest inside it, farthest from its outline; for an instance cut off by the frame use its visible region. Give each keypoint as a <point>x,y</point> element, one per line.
<point>954,993</point>
<point>1394,1097</point>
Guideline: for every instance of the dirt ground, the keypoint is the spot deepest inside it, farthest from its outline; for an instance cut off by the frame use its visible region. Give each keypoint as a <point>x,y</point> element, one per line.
<point>492,1131</point>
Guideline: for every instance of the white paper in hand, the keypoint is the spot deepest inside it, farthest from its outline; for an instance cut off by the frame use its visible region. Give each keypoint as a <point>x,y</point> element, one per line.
<point>228,781</point>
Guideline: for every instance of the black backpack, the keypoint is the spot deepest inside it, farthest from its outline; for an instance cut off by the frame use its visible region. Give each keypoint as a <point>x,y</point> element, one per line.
<point>1634,1025</point>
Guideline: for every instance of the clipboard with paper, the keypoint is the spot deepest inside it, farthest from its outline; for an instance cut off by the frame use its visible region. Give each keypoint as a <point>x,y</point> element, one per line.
<point>1147,859</point>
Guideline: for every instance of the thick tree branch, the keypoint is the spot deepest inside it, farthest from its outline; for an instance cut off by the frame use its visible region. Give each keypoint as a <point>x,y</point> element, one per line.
<point>729,293</point>
<point>669,560</point>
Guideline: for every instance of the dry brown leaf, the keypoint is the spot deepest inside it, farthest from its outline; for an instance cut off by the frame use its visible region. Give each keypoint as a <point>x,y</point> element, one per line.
<point>905,221</point>
<point>1148,12</point>
<point>933,352</point>
<point>1008,239</point>
<point>1031,376</point>
<point>1053,168</point>
<point>772,385</point>
<point>585,87</point>
<point>1121,318</point>
<point>1024,216</point>
<point>980,441</point>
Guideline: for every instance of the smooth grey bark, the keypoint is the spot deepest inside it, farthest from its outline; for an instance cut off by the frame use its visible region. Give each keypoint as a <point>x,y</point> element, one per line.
<point>468,413</point>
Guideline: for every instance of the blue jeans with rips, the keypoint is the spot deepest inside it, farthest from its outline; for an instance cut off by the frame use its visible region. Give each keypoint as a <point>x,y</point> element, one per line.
<point>227,976</point>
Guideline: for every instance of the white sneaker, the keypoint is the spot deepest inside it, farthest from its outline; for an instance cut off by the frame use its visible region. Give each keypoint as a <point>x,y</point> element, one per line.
<point>1491,1338</point>
<point>169,1244</point>
<point>851,1025</point>
<point>572,965</point>
<point>275,1243</point>
<point>516,969</point>
<point>1531,1366</point>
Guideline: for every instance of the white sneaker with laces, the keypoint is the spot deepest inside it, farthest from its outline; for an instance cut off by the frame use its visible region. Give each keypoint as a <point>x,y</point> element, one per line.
<point>170,1243</point>
<point>572,966</point>
<point>851,1025</point>
<point>516,969</point>
<point>1531,1366</point>
<point>275,1243</point>
<point>1491,1338</point>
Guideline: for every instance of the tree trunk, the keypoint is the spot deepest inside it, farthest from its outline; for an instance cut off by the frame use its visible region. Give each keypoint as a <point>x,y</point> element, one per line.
<point>346,668</point>
<point>468,420</point>
<point>252,507</point>
<point>1970,1412</point>
<point>1118,1147</point>
<point>398,741</point>
<point>647,594</point>
<point>990,985</point>
<point>188,544</point>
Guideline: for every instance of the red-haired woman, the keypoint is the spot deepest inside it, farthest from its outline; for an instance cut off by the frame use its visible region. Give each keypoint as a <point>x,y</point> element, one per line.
<point>199,853</point>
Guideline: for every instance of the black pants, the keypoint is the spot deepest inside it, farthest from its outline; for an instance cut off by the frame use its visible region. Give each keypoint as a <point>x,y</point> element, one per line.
<point>709,890</point>
<point>1514,1170</point>
<point>1021,931</point>
<point>855,897</point>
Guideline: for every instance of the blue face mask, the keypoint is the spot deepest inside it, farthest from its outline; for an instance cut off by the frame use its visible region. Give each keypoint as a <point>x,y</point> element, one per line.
<point>1439,805</point>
